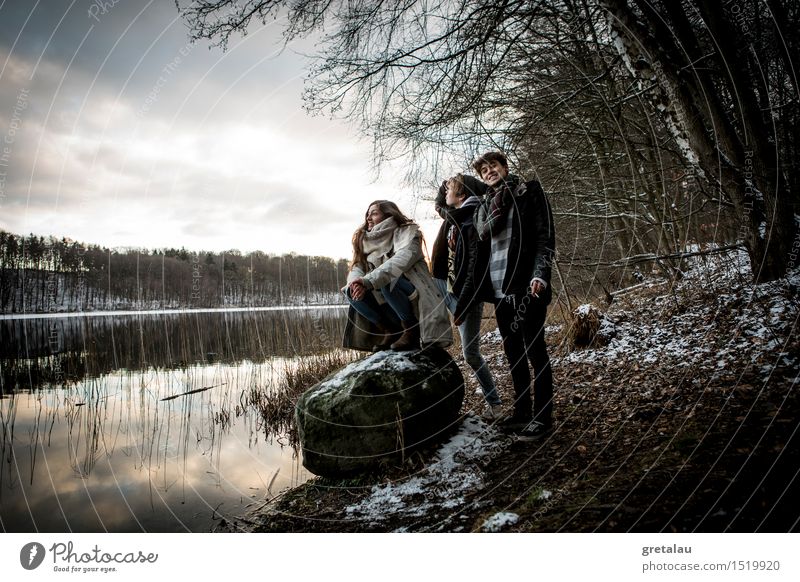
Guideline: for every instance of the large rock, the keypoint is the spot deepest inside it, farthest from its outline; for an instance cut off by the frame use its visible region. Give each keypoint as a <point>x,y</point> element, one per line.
<point>377,410</point>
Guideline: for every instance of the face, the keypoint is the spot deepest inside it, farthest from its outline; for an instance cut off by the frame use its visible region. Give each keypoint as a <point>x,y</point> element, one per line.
<point>374,216</point>
<point>493,172</point>
<point>452,194</point>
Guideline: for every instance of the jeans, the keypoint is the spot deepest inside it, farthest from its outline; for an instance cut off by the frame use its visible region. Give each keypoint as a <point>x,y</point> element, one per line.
<point>469,331</point>
<point>397,299</point>
<point>520,320</point>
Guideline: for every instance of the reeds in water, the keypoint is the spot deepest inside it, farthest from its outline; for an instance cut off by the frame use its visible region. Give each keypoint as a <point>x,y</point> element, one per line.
<point>275,403</point>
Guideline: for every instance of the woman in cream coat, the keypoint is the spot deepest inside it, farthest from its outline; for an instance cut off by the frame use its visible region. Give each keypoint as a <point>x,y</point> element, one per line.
<point>390,285</point>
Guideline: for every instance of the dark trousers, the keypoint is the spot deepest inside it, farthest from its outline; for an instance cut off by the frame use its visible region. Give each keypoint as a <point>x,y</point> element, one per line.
<point>398,307</point>
<point>520,320</point>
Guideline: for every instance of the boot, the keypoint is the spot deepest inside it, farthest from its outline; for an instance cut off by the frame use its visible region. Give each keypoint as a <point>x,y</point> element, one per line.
<point>384,337</point>
<point>410,338</point>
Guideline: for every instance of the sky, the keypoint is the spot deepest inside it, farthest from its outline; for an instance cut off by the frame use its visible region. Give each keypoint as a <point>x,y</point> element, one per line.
<point>115,130</point>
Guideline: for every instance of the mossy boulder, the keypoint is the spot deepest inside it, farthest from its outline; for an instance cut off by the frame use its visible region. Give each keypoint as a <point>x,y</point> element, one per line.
<point>378,410</point>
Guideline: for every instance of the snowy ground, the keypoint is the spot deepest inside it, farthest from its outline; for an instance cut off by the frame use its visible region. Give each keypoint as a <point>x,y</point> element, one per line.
<point>453,472</point>
<point>678,354</point>
<point>684,326</point>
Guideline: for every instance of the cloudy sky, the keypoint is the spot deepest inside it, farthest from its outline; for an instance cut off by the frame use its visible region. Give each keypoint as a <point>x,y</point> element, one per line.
<point>116,131</point>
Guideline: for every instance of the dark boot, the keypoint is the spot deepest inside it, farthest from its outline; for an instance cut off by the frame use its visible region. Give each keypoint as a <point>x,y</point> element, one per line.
<point>384,338</point>
<point>410,338</point>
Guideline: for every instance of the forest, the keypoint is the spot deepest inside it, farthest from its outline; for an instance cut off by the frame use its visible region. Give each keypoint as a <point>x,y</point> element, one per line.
<point>46,274</point>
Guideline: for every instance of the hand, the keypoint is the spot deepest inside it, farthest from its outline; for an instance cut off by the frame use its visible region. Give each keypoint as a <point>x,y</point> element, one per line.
<point>537,288</point>
<point>357,289</point>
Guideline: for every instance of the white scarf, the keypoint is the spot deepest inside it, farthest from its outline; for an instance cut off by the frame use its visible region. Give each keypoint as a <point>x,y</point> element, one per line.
<point>378,243</point>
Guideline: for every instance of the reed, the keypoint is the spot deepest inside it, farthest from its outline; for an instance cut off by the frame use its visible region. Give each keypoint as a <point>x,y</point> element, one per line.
<point>275,403</point>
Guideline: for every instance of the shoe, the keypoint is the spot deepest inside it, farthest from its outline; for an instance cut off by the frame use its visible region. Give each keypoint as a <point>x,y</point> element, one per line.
<point>534,431</point>
<point>492,413</point>
<point>385,339</point>
<point>515,422</point>
<point>410,338</point>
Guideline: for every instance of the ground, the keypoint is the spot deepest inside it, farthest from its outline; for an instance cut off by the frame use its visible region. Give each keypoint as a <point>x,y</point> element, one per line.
<point>686,420</point>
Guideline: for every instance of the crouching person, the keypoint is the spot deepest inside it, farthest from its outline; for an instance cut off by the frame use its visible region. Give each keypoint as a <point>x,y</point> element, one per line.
<point>388,275</point>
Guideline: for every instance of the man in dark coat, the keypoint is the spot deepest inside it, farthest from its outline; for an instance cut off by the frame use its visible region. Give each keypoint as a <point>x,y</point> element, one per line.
<point>516,219</point>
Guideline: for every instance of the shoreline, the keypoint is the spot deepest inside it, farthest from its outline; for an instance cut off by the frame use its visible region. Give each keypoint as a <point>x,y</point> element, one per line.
<point>178,311</point>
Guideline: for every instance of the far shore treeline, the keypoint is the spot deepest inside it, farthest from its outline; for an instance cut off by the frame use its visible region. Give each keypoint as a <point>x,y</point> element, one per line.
<point>41,274</point>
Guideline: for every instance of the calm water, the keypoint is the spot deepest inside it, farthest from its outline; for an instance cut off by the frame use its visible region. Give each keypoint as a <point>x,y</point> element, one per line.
<point>89,442</point>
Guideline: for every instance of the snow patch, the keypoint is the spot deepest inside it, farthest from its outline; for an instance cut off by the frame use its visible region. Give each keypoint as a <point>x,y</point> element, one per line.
<point>687,338</point>
<point>608,329</point>
<point>499,521</point>
<point>493,337</point>
<point>454,472</point>
<point>387,361</point>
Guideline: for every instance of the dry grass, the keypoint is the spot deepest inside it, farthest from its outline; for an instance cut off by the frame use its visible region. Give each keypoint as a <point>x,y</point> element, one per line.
<point>585,325</point>
<point>275,403</point>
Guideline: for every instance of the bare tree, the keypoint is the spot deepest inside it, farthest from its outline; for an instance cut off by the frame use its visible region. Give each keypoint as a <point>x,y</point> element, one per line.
<point>721,75</point>
<point>630,111</point>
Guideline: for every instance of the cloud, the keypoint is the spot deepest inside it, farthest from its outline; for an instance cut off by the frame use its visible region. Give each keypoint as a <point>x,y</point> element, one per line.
<point>221,156</point>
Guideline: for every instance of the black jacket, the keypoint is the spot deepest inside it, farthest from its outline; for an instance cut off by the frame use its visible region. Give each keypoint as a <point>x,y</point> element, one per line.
<point>532,247</point>
<point>439,251</point>
<point>471,254</point>
<point>471,266</point>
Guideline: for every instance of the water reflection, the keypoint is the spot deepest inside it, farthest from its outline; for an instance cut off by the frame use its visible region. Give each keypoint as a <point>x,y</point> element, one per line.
<point>102,436</point>
<point>62,350</point>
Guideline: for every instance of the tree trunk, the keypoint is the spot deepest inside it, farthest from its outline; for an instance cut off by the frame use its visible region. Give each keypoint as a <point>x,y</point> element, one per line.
<point>768,225</point>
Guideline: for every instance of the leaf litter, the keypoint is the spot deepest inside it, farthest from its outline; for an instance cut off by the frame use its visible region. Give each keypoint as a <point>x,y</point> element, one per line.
<point>684,421</point>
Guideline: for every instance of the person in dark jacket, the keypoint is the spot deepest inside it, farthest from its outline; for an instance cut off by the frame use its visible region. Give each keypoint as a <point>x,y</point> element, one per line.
<point>515,218</point>
<point>460,264</point>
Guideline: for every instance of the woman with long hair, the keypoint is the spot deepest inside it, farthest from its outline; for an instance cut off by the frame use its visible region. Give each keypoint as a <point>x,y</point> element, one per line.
<point>389,283</point>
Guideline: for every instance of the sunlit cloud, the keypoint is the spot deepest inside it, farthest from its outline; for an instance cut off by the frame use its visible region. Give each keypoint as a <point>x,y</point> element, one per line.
<point>152,144</point>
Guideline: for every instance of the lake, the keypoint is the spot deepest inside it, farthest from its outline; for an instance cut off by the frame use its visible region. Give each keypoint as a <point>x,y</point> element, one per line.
<point>140,421</point>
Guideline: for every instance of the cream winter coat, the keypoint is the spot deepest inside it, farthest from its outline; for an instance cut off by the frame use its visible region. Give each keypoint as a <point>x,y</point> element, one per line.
<point>394,251</point>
